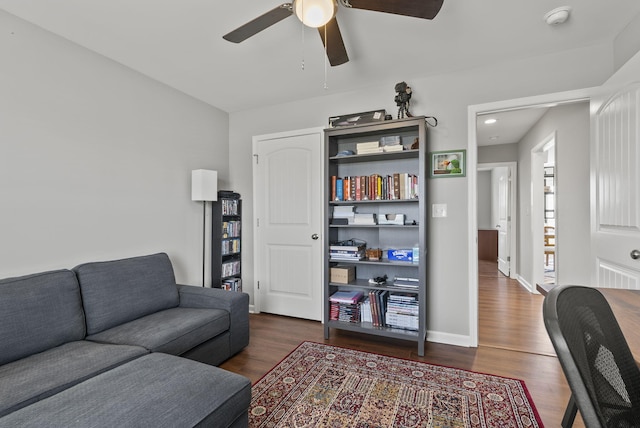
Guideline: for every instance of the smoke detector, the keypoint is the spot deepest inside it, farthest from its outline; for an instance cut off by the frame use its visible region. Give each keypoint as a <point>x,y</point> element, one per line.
<point>558,15</point>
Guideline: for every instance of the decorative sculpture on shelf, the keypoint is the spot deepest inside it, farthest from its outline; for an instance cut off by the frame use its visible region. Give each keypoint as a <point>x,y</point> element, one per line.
<point>403,95</point>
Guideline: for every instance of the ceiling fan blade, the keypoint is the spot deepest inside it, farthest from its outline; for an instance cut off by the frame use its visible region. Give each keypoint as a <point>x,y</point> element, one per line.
<point>336,52</point>
<point>426,9</point>
<point>262,22</point>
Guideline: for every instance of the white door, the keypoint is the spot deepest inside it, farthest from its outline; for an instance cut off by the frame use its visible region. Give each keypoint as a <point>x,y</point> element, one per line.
<point>615,189</point>
<point>288,211</point>
<point>502,183</point>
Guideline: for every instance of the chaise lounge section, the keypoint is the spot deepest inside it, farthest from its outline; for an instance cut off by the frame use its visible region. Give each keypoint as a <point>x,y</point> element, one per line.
<point>119,343</point>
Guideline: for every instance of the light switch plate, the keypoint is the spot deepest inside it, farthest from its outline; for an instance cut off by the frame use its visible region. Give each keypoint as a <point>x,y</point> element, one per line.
<point>439,210</point>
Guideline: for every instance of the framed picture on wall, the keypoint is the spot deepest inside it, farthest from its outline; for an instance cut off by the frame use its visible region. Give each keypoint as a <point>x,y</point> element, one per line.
<point>449,163</point>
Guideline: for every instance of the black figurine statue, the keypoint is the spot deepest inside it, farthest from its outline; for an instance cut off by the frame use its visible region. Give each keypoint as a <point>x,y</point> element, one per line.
<point>403,95</point>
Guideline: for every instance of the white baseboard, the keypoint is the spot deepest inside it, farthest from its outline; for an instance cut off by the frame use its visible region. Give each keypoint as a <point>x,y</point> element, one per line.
<point>252,309</point>
<point>526,285</point>
<point>449,339</point>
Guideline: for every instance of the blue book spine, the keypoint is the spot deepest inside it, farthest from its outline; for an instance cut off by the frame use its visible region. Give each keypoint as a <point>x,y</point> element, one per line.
<point>339,190</point>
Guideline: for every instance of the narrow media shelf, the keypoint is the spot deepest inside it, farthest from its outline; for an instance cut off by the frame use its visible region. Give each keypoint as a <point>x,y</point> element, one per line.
<point>226,241</point>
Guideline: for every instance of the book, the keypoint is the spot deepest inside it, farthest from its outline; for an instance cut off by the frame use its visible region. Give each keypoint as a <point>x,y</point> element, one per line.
<point>395,148</point>
<point>368,145</point>
<point>357,247</point>
<point>346,296</point>
<point>339,190</point>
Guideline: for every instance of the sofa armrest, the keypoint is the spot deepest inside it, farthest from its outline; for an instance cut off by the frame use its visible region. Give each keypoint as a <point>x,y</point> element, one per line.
<point>237,304</point>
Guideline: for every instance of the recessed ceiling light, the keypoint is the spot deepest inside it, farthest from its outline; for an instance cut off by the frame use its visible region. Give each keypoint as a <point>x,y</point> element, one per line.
<point>495,137</point>
<point>490,121</point>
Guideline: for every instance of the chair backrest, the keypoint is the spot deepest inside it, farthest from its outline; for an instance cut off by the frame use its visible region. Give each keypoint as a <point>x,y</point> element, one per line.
<point>595,357</point>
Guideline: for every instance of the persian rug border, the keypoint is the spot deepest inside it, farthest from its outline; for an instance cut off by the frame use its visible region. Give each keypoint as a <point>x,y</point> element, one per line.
<point>324,392</point>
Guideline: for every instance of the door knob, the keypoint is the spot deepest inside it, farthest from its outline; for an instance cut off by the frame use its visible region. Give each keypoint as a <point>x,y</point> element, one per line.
<point>314,236</point>
<point>635,254</point>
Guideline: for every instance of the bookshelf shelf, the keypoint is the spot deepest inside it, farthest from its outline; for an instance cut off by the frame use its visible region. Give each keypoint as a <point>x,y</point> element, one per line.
<point>379,201</point>
<point>226,241</point>
<point>378,176</point>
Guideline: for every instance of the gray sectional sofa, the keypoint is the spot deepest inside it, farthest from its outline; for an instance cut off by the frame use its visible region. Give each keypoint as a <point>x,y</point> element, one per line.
<point>119,343</point>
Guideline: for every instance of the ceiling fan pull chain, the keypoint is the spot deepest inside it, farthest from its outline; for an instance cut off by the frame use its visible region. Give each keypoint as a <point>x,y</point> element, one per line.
<point>326,42</point>
<point>302,30</point>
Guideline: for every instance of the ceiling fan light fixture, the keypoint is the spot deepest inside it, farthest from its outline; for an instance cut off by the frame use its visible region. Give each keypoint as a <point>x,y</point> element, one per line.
<point>315,13</point>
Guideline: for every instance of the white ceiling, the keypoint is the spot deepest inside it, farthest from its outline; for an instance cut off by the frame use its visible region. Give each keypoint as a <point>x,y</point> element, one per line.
<point>180,42</point>
<point>510,126</point>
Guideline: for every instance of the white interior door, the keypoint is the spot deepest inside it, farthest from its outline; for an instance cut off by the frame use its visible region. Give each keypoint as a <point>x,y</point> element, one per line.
<point>615,189</point>
<point>500,176</point>
<point>288,209</point>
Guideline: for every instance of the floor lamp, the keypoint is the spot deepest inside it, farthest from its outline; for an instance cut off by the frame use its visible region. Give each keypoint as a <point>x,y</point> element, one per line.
<point>204,187</point>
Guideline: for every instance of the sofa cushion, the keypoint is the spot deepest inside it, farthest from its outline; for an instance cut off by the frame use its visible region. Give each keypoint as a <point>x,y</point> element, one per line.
<point>38,312</point>
<point>119,291</point>
<point>41,375</point>
<point>172,331</point>
<point>156,390</point>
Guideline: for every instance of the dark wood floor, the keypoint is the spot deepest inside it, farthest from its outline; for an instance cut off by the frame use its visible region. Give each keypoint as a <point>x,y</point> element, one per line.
<point>513,343</point>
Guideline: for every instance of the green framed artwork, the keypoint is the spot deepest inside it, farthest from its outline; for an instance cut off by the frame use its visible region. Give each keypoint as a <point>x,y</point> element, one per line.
<point>448,163</point>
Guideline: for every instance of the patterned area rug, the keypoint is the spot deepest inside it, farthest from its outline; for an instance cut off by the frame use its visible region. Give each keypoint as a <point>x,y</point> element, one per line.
<point>325,386</point>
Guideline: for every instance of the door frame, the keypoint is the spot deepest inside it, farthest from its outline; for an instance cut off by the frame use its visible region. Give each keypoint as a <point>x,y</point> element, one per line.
<point>256,140</point>
<point>472,171</point>
<point>513,200</point>
<point>537,216</point>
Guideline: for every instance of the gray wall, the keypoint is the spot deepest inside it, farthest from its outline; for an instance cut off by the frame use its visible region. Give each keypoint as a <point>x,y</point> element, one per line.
<point>498,153</point>
<point>96,159</point>
<point>447,97</point>
<point>571,124</point>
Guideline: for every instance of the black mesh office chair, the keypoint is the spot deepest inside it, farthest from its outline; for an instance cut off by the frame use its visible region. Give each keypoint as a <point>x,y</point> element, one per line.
<point>600,369</point>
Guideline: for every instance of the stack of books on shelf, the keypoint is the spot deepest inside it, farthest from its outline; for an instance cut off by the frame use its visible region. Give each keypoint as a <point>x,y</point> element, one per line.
<point>345,305</point>
<point>230,229</point>
<point>230,268</point>
<point>343,214</point>
<point>232,284</point>
<point>402,311</point>
<point>355,252</point>
<point>406,283</point>
<point>368,147</point>
<point>399,185</point>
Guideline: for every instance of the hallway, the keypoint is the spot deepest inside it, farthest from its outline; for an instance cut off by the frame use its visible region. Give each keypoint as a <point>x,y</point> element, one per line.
<point>506,311</point>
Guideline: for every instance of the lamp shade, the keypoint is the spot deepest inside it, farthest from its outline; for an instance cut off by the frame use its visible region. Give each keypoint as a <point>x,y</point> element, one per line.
<point>204,185</point>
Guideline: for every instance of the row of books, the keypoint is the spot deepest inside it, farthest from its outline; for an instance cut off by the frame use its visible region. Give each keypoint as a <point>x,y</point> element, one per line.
<point>230,246</point>
<point>230,206</point>
<point>230,268</point>
<point>375,187</point>
<point>380,308</point>
<point>232,284</point>
<point>230,229</point>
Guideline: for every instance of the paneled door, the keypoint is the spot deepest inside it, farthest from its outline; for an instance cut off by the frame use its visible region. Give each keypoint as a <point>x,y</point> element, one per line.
<point>616,189</point>
<point>503,224</point>
<point>288,210</point>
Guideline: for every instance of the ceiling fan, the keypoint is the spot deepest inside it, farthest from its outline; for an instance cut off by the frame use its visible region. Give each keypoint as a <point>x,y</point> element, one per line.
<point>321,14</point>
